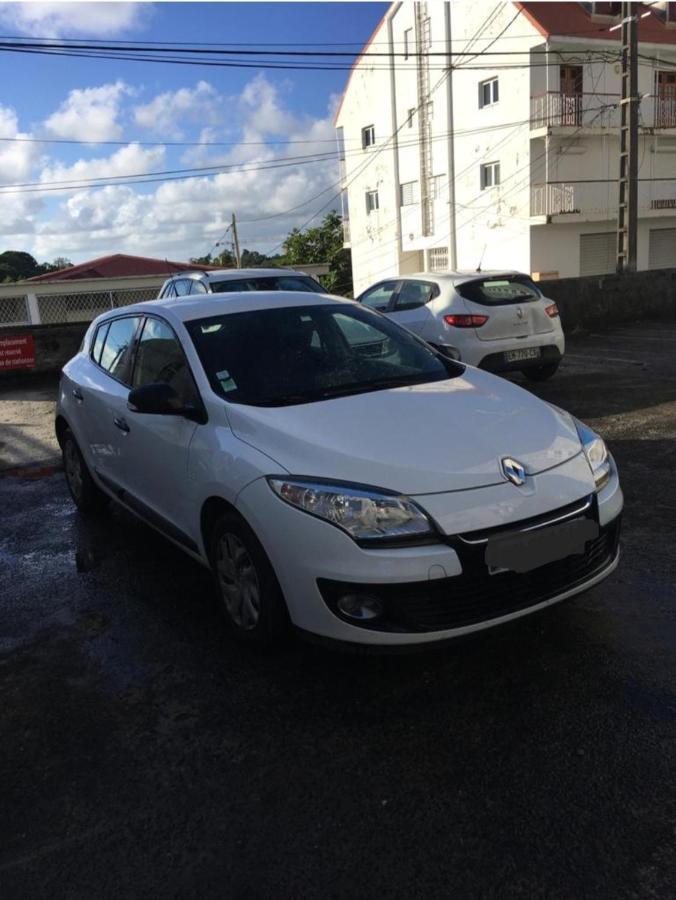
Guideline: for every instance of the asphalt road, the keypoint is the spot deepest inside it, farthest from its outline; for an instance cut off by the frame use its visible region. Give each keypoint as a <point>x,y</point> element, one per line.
<point>142,753</point>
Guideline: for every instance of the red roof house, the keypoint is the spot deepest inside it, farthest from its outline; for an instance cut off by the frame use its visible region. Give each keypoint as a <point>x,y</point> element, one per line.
<point>119,265</point>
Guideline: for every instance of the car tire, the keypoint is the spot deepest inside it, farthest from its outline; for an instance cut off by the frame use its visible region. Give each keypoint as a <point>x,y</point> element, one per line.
<point>87,496</point>
<point>249,595</point>
<point>541,373</point>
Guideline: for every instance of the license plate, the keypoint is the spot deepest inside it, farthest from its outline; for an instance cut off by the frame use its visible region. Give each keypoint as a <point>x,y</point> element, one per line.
<point>517,355</point>
<point>527,550</point>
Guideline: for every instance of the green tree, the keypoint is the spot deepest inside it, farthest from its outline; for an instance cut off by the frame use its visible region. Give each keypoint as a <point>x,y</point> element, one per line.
<point>15,265</point>
<point>323,244</point>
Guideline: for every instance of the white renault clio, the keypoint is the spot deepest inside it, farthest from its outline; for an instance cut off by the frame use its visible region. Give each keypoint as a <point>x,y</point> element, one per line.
<point>498,321</point>
<point>334,471</point>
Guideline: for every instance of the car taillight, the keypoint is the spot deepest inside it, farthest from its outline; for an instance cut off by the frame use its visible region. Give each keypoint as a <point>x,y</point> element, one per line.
<point>552,311</point>
<point>462,321</point>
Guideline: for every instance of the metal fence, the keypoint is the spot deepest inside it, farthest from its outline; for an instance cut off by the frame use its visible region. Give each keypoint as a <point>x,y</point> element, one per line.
<point>14,311</point>
<point>59,303</point>
<point>83,307</point>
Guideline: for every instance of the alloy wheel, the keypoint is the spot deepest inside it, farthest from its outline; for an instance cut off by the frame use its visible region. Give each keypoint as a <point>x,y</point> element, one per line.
<point>238,581</point>
<point>73,467</point>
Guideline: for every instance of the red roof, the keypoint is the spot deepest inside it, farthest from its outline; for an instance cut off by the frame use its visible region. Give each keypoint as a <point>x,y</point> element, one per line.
<point>118,265</point>
<point>572,19</point>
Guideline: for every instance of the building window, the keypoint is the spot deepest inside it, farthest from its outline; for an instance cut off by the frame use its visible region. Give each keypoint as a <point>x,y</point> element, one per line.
<point>371,201</point>
<point>488,92</point>
<point>490,175</point>
<point>410,117</point>
<point>438,259</point>
<point>368,136</point>
<point>436,187</point>
<point>408,193</point>
<point>408,42</point>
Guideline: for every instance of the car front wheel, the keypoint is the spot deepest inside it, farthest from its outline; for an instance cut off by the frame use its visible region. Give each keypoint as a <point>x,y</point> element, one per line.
<point>541,373</point>
<point>86,495</point>
<point>249,595</point>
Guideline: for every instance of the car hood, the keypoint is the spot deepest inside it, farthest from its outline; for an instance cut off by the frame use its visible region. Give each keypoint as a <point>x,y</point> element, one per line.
<point>428,438</point>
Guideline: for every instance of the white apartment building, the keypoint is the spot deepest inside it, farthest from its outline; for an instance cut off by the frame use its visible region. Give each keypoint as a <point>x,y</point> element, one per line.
<point>491,138</point>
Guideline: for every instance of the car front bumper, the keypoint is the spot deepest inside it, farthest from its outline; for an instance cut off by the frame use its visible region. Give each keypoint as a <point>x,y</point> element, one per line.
<point>437,591</point>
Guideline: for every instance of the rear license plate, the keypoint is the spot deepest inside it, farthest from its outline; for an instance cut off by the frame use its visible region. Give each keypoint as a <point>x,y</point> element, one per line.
<point>528,550</point>
<point>518,355</point>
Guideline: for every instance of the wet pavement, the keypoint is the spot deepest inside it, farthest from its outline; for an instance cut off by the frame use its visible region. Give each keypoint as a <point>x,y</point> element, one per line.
<point>143,753</point>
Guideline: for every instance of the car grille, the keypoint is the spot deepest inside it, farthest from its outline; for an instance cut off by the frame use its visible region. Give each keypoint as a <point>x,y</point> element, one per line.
<point>475,596</point>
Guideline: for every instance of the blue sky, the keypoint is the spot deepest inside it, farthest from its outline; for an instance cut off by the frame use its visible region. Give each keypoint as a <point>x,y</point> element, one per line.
<point>128,102</point>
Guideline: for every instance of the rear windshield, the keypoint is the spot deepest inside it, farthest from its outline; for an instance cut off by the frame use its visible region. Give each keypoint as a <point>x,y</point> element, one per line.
<point>290,355</point>
<point>499,290</point>
<point>269,283</point>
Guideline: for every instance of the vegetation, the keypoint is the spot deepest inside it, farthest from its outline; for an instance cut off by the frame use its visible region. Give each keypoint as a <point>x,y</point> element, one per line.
<point>15,265</point>
<point>322,244</point>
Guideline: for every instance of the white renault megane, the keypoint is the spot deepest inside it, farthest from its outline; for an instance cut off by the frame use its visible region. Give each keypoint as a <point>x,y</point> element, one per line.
<point>333,470</point>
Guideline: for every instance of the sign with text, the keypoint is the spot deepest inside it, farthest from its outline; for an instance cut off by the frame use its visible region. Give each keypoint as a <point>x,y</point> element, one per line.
<point>17,352</point>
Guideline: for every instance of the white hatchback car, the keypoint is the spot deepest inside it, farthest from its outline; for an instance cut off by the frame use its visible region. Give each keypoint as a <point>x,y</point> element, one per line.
<point>333,470</point>
<point>498,321</point>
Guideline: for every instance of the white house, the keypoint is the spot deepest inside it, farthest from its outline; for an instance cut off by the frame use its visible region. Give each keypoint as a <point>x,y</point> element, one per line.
<point>475,134</point>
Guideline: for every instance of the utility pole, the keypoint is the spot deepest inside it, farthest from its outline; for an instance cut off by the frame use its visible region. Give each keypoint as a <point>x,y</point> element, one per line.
<point>235,240</point>
<point>629,105</point>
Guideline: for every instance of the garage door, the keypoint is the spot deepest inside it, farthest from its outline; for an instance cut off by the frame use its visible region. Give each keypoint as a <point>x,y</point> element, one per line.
<point>598,253</point>
<point>662,252</point>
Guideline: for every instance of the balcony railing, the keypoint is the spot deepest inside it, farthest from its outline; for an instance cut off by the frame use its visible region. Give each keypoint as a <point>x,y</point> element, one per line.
<point>346,231</point>
<point>574,110</point>
<point>552,199</point>
<point>665,112</point>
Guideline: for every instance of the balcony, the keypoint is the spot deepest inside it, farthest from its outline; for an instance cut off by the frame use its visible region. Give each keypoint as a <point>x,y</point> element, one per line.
<point>598,201</point>
<point>555,108</point>
<point>664,111</point>
<point>346,231</point>
<point>552,199</point>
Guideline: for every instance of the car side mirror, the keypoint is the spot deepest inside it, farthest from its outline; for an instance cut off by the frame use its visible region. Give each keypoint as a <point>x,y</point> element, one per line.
<point>161,399</point>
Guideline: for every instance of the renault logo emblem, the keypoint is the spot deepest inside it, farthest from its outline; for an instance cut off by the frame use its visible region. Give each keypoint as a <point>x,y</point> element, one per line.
<point>513,470</point>
<point>519,312</point>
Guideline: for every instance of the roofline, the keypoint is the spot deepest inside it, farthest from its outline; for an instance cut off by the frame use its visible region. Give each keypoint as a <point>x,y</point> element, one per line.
<point>531,18</point>
<point>360,57</point>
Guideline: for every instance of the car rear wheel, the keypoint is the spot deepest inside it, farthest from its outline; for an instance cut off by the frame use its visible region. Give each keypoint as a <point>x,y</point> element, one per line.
<point>86,495</point>
<point>541,373</point>
<point>249,595</point>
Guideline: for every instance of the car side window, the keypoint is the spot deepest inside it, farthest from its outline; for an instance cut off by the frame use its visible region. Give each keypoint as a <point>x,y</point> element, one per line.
<point>182,287</point>
<point>169,291</point>
<point>99,339</point>
<point>160,359</point>
<point>196,287</point>
<point>413,294</point>
<point>117,347</point>
<point>379,297</point>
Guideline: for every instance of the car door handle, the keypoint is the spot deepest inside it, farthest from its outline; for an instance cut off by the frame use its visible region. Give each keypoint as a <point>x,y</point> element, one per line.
<point>78,395</point>
<point>121,424</point>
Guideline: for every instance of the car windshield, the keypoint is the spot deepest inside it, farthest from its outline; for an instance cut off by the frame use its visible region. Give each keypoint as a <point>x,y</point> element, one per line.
<point>269,283</point>
<point>499,290</point>
<point>303,354</point>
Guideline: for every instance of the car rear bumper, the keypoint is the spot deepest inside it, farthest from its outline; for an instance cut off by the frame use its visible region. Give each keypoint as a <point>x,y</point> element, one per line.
<point>497,362</point>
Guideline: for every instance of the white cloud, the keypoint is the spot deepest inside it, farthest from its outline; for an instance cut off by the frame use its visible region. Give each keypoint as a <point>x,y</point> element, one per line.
<point>52,20</point>
<point>89,113</point>
<point>165,111</point>
<point>129,160</point>
<point>183,218</point>
<point>18,155</point>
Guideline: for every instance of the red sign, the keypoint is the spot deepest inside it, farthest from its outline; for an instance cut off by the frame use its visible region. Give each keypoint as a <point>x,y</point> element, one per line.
<point>17,352</point>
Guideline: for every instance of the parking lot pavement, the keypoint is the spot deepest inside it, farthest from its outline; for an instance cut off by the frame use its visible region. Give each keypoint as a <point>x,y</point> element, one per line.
<point>27,421</point>
<point>145,754</point>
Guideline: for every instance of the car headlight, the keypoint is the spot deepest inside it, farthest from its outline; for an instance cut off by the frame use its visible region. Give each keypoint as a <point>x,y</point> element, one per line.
<point>596,452</point>
<point>365,514</point>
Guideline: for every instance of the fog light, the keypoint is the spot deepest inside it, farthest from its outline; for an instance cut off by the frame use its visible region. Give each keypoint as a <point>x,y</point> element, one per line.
<point>361,607</point>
